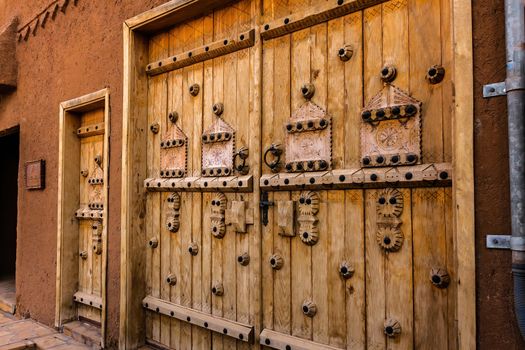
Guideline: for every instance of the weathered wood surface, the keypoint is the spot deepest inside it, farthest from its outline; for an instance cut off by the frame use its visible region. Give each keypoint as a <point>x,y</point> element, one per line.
<point>260,86</point>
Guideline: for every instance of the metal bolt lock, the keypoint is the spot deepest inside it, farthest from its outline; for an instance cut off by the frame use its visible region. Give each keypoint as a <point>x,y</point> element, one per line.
<point>308,90</point>
<point>392,328</point>
<point>435,74</point>
<point>346,270</point>
<point>83,254</point>
<point>193,248</point>
<point>276,261</point>
<point>171,280</point>
<point>388,73</point>
<point>309,308</point>
<point>218,109</point>
<point>345,53</point>
<point>155,127</point>
<point>439,277</point>
<point>153,243</point>
<point>194,89</point>
<point>217,289</point>
<point>173,117</point>
<point>243,259</point>
<point>84,172</point>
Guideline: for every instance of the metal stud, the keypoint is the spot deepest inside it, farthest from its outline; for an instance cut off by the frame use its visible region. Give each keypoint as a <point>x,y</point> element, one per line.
<point>173,116</point>
<point>345,53</point>
<point>392,328</point>
<point>309,308</point>
<point>218,109</point>
<point>171,280</point>
<point>194,89</point>
<point>276,261</point>
<point>153,242</point>
<point>388,73</point>
<point>217,289</point>
<point>435,74</point>
<point>155,127</point>
<point>308,90</point>
<point>243,259</point>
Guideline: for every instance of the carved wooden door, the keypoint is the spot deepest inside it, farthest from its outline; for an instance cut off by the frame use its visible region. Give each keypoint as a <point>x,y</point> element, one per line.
<point>88,298</point>
<point>345,240</point>
<point>358,245</point>
<point>202,244</point>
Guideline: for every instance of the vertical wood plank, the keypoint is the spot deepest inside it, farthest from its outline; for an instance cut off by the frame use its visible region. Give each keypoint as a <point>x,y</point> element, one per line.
<point>301,253</point>
<point>354,252</point>
<point>353,93</point>
<point>425,51</point>
<point>375,277</point>
<point>175,104</point>
<point>399,281</point>
<point>430,245</point>
<point>318,76</point>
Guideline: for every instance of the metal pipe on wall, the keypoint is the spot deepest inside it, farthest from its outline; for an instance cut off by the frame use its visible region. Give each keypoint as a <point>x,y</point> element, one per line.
<point>515,88</point>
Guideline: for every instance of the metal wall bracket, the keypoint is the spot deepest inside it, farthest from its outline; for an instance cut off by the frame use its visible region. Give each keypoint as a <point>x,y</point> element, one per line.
<point>498,241</point>
<point>494,89</point>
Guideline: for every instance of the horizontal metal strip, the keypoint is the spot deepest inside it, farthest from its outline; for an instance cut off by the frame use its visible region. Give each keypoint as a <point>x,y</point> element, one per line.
<point>201,184</point>
<point>282,341</point>
<point>433,174</point>
<point>90,130</point>
<point>226,327</point>
<point>90,214</point>
<point>202,53</point>
<point>313,15</point>
<point>88,299</point>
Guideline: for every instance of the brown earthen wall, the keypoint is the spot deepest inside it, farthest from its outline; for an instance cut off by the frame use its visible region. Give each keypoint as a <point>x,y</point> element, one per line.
<point>496,326</point>
<point>77,53</point>
<point>81,52</point>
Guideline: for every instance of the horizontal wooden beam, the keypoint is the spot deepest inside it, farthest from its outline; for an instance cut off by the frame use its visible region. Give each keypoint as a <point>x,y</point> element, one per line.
<point>202,53</point>
<point>201,184</point>
<point>90,130</point>
<point>313,15</point>
<point>282,341</point>
<point>226,327</point>
<point>433,174</point>
<point>88,299</point>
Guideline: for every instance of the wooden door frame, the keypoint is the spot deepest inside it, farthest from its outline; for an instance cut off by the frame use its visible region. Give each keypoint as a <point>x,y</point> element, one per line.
<point>132,277</point>
<point>68,200</point>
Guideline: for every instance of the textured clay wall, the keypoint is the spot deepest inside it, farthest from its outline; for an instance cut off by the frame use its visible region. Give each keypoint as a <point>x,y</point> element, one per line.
<point>81,52</point>
<point>496,326</point>
<point>77,53</point>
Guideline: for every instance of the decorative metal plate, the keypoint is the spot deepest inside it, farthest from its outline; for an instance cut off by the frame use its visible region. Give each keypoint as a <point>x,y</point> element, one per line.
<point>218,148</point>
<point>308,139</point>
<point>391,129</point>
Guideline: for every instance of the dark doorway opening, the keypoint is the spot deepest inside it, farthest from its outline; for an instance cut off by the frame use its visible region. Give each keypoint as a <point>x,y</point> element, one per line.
<point>9,158</point>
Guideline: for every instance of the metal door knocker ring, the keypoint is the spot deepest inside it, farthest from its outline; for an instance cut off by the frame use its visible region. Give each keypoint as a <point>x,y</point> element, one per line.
<point>243,155</point>
<point>276,151</point>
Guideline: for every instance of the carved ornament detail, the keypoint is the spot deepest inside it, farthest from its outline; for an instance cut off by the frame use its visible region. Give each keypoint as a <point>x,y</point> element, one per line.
<point>173,212</point>
<point>218,146</point>
<point>391,129</point>
<point>218,210</point>
<point>173,150</point>
<point>308,137</point>
<point>308,222</point>
<point>389,207</point>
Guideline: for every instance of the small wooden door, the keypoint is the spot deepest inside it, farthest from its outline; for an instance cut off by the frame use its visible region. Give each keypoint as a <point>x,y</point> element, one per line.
<point>82,210</point>
<point>90,215</point>
<point>299,178</point>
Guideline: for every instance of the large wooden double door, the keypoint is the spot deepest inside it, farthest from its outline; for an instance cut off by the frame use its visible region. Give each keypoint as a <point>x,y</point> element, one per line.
<point>298,186</point>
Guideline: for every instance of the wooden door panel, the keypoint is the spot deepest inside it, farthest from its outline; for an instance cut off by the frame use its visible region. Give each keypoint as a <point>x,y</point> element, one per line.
<point>90,246</point>
<point>213,262</point>
<point>388,288</point>
<point>384,286</point>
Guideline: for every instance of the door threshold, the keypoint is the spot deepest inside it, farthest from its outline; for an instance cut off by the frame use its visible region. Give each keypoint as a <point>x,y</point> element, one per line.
<point>84,332</point>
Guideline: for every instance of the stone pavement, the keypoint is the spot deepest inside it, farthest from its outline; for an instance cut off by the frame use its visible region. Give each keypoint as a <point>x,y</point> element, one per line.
<point>28,334</point>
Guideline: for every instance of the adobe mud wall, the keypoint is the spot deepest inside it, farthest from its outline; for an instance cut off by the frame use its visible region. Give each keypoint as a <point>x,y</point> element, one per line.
<point>496,325</point>
<point>77,53</point>
<point>81,51</point>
